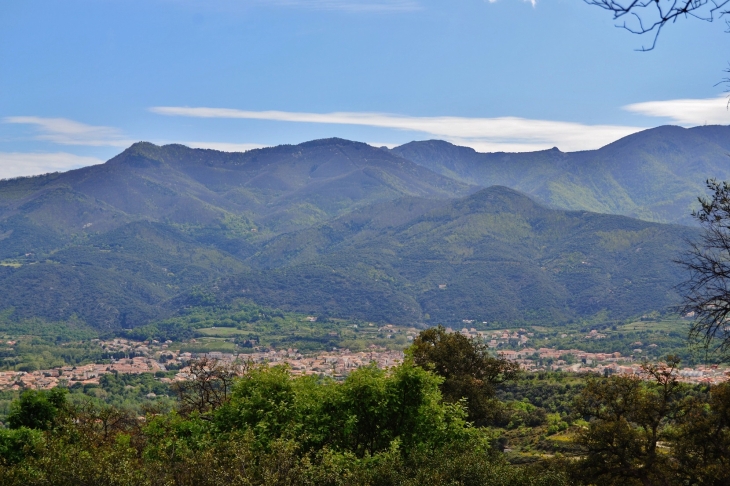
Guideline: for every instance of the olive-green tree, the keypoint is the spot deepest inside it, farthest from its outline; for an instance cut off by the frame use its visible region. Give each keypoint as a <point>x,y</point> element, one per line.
<point>701,442</point>
<point>628,417</point>
<point>38,409</point>
<point>467,368</point>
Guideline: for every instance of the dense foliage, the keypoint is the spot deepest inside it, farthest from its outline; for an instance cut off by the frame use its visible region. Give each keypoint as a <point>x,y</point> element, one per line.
<point>375,428</point>
<point>259,425</point>
<point>468,369</point>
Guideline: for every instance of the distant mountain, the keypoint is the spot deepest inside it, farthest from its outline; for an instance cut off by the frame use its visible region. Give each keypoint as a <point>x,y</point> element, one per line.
<point>655,175</point>
<point>113,280</point>
<point>109,243</point>
<point>495,255</point>
<point>331,227</point>
<point>209,194</point>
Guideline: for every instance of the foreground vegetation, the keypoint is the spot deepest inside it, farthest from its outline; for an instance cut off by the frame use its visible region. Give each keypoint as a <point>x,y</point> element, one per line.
<point>375,428</point>
<point>450,414</point>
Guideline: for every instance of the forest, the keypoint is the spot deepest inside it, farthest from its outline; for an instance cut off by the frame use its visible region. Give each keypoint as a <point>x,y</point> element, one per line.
<point>449,414</point>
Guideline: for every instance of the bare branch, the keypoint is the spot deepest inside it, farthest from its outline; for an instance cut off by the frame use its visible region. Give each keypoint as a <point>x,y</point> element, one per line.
<point>650,16</point>
<point>707,290</point>
<point>209,384</point>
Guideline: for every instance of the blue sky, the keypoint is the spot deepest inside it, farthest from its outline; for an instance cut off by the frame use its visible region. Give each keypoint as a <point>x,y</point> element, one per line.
<point>82,79</point>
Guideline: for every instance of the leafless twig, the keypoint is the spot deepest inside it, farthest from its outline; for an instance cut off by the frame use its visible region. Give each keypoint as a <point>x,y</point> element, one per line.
<point>651,16</point>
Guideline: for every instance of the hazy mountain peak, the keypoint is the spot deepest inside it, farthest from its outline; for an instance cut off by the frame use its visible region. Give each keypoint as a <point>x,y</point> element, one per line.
<point>655,174</point>
<point>140,154</point>
<point>333,141</point>
<point>367,233</point>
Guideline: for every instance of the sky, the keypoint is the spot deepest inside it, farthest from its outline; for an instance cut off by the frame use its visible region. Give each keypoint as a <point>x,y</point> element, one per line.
<point>81,80</point>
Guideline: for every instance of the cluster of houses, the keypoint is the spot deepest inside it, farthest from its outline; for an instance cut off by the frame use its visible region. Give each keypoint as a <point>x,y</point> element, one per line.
<point>335,364</point>
<point>68,375</point>
<point>576,361</point>
<point>495,338</point>
<point>132,357</point>
<point>153,357</point>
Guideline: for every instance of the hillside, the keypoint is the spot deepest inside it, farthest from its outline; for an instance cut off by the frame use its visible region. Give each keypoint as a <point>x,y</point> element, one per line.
<point>655,175</point>
<point>495,255</point>
<point>208,194</point>
<point>330,227</point>
<point>109,244</point>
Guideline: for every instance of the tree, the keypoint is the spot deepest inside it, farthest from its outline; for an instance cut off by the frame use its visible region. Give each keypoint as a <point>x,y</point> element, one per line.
<point>629,416</point>
<point>38,409</point>
<point>364,415</point>
<point>702,440</point>
<point>706,292</point>
<point>101,423</point>
<point>651,16</point>
<point>467,368</point>
<point>209,384</point>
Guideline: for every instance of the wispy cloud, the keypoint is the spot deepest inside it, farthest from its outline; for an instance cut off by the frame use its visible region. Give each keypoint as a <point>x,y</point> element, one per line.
<point>69,132</point>
<point>531,2</point>
<point>689,112</point>
<point>354,6</point>
<point>223,146</point>
<point>15,164</point>
<point>509,134</point>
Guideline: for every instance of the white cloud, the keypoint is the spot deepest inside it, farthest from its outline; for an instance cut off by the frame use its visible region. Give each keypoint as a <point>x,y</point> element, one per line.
<point>711,111</point>
<point>389,145</point>
<point>531,2</point>
<point>69,132</point>
<point>16,164</point>
<point>509,134</point>
<point>355,6</point>
<point>223,146</point>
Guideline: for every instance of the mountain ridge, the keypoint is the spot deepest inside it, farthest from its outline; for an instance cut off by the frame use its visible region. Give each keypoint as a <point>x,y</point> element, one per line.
<point>330,227</point>
<point>654,174</point>
<point>490,250</point>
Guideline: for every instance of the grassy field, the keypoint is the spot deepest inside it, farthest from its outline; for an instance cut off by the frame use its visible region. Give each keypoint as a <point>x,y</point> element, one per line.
<point>667,325</point>
<point>310,336</point>
<point>223,332</point>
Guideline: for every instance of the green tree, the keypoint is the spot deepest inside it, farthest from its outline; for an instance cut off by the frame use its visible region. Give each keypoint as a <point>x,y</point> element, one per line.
<point>468,370</point>
<point>38,409</point>
<point>17,444</point>
<point>629,417</point>
<point>702,439</point>
<point>364,415</point>
<point>264,402</point>
<point>402,404</point>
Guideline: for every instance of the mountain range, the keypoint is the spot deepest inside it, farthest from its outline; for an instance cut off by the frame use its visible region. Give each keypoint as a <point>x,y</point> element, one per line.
<point>423,233</point>
<point>655,175</point>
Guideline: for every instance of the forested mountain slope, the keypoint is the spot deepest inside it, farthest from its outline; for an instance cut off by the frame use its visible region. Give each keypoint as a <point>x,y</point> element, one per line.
<point>655,175</point>
<point>209,193</point>
<point>331,227</point>
<point>495,255</point>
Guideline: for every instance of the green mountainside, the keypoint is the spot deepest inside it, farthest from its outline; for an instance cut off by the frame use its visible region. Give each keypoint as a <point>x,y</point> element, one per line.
<point>209,194</point>
<point>109,244</point>
<point>492,256</point>
<point>655,175</point>
<point>330,227</point>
